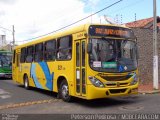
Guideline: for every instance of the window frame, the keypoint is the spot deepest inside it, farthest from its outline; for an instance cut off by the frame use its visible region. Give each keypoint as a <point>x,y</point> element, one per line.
<point>28,53</point>
<point>50,50</point>
<point>39,52</point>
<point>70,38</point>
<point>23,55</point>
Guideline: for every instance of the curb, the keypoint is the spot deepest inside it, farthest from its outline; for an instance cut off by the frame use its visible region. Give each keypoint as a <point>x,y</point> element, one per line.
<point>29,103</point>
<point>149,92</point>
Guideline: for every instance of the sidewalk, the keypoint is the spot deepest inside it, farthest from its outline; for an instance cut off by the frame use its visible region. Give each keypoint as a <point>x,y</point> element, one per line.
<point>148,89</point>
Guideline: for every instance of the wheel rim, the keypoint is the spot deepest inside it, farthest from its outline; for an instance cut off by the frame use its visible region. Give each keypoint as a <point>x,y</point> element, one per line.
<point>64,91</point>
<point>26,83</point>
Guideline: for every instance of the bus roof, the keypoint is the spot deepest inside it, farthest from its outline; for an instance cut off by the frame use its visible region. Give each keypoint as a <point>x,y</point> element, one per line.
<point>72,30</point>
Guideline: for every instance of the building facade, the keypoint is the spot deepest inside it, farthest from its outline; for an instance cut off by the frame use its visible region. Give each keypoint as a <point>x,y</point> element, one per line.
<point>143,30</point>
<point>2,40</point>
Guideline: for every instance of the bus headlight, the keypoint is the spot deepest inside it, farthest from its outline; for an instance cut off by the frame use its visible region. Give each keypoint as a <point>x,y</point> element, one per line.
<point>135,80</point>
<point>96,82</point>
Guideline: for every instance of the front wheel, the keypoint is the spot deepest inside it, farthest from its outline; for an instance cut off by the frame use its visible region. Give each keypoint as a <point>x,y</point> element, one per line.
<point>26,82</point>
<point>64,91</point>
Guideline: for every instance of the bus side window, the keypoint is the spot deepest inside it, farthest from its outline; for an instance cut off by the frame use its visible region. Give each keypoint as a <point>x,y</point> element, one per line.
<point>64,46</point>
<point>50,50</point>
<point>38,52</point>
<point>29,56</point>
<point>23,55</point>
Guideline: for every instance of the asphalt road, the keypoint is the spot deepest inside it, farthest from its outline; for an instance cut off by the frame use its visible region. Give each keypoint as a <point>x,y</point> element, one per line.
<point>15,99</point>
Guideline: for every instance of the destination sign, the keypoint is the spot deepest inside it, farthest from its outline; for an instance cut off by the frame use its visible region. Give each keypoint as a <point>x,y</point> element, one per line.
<point>110,31</point>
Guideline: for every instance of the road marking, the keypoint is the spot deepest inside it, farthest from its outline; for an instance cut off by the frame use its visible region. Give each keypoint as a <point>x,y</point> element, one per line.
<point>4,94</point>
<point>131,108</point>
<point>28,103</point>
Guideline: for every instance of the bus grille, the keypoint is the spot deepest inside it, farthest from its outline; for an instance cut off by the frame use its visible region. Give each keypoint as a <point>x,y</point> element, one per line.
<point>116,78</point>
<point>115,84</point>
<point>114,91</point>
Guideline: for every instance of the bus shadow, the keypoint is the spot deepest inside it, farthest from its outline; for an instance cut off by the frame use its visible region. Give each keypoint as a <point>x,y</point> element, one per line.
<point>41,91</point>
<point>96,103</point>
<point>107,102</point>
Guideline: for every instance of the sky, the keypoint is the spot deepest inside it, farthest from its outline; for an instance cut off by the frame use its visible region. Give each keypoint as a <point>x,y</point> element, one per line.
<point>33,18</point>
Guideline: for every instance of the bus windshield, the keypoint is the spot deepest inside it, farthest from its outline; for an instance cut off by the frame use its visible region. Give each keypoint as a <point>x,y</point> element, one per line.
<point>5,59</point>
<point>113,55</point>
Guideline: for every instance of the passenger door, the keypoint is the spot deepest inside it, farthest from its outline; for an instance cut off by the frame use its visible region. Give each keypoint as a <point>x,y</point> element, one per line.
<point>16,66</point>
<point>80,47</point>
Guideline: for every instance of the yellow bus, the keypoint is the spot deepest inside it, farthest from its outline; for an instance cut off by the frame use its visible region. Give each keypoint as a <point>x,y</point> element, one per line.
<point>89,61</point>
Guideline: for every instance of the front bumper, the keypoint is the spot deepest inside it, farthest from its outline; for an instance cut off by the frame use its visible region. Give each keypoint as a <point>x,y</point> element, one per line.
<point>6,75</point>
<point>95,92</point>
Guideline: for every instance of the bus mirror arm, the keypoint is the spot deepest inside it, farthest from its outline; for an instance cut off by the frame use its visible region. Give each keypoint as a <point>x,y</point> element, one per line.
<point>89,48</point>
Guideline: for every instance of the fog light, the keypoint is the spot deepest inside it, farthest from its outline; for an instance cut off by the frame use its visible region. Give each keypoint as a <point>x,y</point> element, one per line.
<point>107,93</point>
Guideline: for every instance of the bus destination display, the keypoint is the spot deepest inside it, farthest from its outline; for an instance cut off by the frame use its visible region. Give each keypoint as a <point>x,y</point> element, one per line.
<point>110,31</point>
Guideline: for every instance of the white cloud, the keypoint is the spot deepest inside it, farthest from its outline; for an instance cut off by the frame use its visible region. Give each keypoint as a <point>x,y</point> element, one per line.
<point>33,18</point>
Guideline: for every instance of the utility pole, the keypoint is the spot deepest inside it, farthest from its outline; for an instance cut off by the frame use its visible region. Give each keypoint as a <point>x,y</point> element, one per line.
<point>155,50</point>
<point>13,32</point>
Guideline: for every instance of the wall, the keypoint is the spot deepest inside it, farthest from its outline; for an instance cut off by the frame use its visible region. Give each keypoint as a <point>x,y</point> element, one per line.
<point>145,45</point>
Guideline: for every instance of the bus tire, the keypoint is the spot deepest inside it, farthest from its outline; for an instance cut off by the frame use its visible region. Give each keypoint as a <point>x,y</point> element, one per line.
<point>26,82</point>
<point>64,91</point>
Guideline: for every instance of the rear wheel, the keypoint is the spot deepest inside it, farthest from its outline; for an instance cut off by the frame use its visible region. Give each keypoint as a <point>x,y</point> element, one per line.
<point>26,82</point>
<point>64,91</point>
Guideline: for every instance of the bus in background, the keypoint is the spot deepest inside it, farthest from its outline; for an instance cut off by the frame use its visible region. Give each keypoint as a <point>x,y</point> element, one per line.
<point>89,61</point>
<point>5,64</point>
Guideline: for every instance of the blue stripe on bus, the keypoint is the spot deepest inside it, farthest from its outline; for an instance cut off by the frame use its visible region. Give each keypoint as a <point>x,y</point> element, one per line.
<point>33,75</point>
<point>49,76</point>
